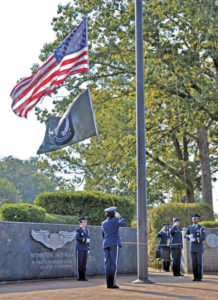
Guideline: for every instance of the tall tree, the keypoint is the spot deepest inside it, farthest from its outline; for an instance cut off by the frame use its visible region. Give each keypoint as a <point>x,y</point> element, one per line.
<point>25,175</point>
<point>180,72</point>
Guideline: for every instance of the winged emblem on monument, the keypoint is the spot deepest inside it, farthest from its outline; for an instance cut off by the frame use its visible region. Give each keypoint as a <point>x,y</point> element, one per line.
<point>53,241</point>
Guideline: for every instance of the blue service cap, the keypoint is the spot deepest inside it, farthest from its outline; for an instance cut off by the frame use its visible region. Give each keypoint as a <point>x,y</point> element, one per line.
<point>110,209</point>
<point>195,216</point>
<point>84,218</point>
<point>176,219</point>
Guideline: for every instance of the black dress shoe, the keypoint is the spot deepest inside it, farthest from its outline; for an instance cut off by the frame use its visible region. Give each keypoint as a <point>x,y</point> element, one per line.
<point>194,279</point>
<point>198,279</point>
<point>115,287</point>
<point>181,275</point>
<point>176,275</point>
<point>82,279</point>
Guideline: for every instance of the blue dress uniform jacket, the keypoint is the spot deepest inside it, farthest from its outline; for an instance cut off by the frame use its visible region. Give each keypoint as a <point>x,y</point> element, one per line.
<point>82,247</point>
<point>111,245</point>
<point>175,237</point>
<point>197,233</point>
<point>110,231</point>
<point>176,247</point>
<point>82,234</point>
<point>164,238</point>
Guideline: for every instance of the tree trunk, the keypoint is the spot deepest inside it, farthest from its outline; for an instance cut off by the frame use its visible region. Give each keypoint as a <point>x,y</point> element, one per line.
<point>205,165</point>
<point>189,190</point>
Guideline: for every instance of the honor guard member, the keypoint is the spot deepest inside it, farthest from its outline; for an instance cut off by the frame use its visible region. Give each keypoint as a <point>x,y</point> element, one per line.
<point>164,246</point>
<point>111,244</point>
<point>176,246</point>
<point>196,234</point>
<point>82,248</point>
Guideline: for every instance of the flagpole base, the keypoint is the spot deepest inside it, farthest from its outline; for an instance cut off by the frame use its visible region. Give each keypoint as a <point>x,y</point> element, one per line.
<point>142,281</point>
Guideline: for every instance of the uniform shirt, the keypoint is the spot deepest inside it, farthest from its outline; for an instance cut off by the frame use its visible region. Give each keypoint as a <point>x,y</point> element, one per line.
<point>82,234</point>
<point>110,231</point>
<point>198,236</point>
<point>164,238</point>
<point>176,237</point>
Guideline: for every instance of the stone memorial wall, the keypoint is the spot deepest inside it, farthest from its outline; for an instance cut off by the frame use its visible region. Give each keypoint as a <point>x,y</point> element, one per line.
<point>34,251</point>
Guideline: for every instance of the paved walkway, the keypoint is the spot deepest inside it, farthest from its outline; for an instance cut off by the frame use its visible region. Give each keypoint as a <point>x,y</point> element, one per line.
<point>165,286</point>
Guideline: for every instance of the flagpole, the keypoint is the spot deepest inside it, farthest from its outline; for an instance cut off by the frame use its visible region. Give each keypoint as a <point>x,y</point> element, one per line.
<point>142,248</point>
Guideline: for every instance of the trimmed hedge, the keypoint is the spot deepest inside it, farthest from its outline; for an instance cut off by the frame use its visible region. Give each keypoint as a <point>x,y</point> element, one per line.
<point>209,224</point>
<point>165,213</point>
<point>91,204</point>
<point>23,212</point>
<point>58,219</point>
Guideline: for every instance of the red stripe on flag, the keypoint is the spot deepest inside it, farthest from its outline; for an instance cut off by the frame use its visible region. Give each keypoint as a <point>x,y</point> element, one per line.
<point>40,80</point>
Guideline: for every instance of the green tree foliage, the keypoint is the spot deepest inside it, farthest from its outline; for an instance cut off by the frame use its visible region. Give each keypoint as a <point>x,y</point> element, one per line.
<point>26,176</point>
<point>180,84</point>
<point>8,192</point>
<point>91,204</point>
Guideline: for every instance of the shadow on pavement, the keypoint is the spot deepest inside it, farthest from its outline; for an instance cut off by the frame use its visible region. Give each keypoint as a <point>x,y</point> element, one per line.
<point>159,294</point>
<point>189,287</point>
<point>49,284</point>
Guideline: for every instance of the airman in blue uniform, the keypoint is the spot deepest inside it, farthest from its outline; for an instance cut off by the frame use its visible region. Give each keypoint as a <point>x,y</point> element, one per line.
<point>111,244</point>
<point>82,248</point>
<point>196,235</point>
<point>164,246</point>
<point>176,246</point>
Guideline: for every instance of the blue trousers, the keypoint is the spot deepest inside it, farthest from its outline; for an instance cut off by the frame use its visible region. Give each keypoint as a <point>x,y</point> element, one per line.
<point>110,263</point>
<point>81,263</point>
<point>197,258</point>
<point>176,255</point>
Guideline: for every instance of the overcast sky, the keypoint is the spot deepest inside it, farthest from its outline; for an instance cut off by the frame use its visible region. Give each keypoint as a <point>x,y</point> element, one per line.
<point>25,27</point>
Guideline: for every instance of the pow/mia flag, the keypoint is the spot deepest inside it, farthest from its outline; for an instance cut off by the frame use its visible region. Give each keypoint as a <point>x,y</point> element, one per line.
<point>76,125</point>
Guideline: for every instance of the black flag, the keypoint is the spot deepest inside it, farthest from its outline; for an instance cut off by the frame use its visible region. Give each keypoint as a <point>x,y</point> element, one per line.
<point>76,125</point>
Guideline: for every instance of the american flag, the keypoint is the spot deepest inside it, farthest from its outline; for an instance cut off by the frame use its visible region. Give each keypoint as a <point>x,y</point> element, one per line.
<point>70,57</point>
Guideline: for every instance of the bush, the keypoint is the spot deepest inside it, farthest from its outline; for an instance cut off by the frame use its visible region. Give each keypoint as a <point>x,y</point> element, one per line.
<point>209,224</point>
<point>165,213</point>
<point>22,212</point>
<point>58,219</point>
<point>91,204</point>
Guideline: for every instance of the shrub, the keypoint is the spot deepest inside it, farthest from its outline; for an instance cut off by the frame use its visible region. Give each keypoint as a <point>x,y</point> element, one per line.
<point>91,204</point>
<point>58,219</point>
<point>209,224</point>
<point>22,212</point>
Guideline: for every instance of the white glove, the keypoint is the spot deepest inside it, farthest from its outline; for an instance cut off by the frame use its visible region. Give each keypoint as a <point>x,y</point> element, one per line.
<point>192,239</point>
<point>117,215</point>
<point>88,240</point>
